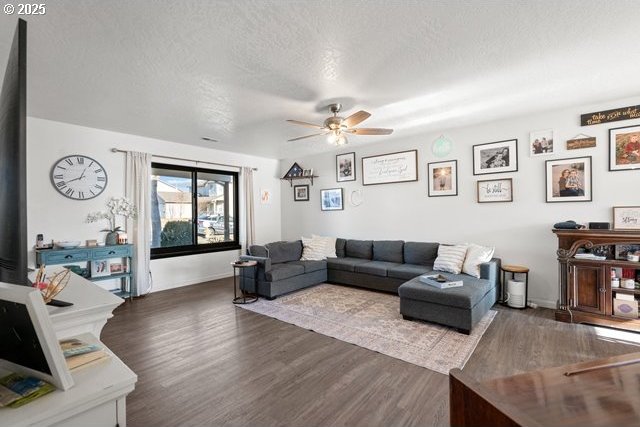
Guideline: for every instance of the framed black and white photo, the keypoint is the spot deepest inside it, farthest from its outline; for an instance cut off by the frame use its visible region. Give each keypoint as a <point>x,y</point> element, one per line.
<point>626,217</point>
<point>442,178</point>
<point>390,168</point>
<point>541,142</point>
<point>346,167</point>
<point>569,180</point>
<point>495,190</point>
<point>624,148</point>
<point>331,199</point>
<point>301,193</point>
<point>495,157</point>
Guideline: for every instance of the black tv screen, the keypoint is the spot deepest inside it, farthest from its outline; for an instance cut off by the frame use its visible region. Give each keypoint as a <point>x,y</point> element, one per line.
<point>13,162</point>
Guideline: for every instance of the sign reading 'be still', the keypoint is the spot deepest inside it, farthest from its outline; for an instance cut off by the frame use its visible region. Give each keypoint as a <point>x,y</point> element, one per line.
<point>390,168</point>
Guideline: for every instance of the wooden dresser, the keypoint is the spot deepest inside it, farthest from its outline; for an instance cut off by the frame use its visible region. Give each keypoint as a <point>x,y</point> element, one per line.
<point>604,392</point>
<point>586,293</point>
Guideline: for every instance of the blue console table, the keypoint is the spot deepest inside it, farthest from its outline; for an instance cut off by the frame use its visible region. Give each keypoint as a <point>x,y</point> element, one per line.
<point>90,254</point>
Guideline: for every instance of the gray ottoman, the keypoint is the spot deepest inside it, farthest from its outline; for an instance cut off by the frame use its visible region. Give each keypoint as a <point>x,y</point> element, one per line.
<point>461,308</point>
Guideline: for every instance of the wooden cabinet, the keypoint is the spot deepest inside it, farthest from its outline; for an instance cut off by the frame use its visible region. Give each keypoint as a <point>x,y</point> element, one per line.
<point>586,292</point>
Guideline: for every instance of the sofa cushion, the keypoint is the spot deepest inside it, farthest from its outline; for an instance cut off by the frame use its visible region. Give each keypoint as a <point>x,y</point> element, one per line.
<point>344,264</point>
<point>284,251</point>
<point>341,245</point>
<point>359,249</point>
<point>388,250</point>
<point>408,271</point>
<point>420,253</point>
<point>377,268</point>
<point>283,271</point>
<point>310,266</point>
<point>257,250</point>
<point>466,296</point>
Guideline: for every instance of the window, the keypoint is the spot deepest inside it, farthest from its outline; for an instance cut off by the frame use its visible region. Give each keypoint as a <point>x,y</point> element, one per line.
<point>192,210</point>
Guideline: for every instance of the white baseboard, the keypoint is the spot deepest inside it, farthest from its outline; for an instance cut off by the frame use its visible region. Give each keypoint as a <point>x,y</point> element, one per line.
<point>192,281</point>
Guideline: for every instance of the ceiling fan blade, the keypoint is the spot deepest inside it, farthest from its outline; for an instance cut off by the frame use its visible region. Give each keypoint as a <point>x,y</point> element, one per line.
<point>370,131</point>
<point>356,118</point>
<point>310,125</point>
<point>307,136</point>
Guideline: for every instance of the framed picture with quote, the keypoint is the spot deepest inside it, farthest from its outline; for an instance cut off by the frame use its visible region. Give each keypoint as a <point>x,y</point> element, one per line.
<point>495,190</point>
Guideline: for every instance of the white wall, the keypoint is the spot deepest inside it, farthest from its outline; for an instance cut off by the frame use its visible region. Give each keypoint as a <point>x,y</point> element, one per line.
<point>520,231</point>
<point>60,218</point>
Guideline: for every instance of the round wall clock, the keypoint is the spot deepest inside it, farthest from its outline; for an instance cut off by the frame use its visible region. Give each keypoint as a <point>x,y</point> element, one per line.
<point>78,177</point>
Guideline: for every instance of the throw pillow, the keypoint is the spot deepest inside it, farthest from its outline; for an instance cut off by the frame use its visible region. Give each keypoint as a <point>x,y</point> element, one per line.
<point>330,245</point>
<point>450,258</point>
<point>476,255</point>
<point>313,249</point>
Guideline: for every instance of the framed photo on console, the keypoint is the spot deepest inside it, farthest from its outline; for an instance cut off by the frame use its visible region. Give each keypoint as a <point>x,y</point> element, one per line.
<point>346,167</point>
<point>624,148</point>
<point>442,178</point>
<point>495,157</point>
<point>301,193</point>
<point>569,180</point>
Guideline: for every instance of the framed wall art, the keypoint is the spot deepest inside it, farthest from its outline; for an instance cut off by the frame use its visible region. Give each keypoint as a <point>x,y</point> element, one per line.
<point>346,167</point>
<point>569,180</point>
<point>581,141</point>
<point>301,193</point>
<point>495,190</point>
<point>442,178</point>
<point>626,217</point>
<point>541,142</point>
<point>624,148</point>
<point>331,199</point>
<point>495,157</point>
<point>390,168</point>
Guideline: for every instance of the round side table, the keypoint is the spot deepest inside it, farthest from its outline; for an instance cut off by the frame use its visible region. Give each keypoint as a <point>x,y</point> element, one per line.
<point>514,269</point>
<point>244,298</point>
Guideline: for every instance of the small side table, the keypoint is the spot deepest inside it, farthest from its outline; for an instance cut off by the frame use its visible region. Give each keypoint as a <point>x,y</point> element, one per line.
<point>514,269</point>
<point>245,298</point>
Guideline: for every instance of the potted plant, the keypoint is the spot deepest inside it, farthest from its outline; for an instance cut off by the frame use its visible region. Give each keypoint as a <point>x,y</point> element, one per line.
<point>116,206</point>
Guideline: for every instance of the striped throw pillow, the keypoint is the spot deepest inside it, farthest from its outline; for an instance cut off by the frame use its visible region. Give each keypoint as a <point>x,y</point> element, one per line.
<point>313,249</point>
<point>450,258</point>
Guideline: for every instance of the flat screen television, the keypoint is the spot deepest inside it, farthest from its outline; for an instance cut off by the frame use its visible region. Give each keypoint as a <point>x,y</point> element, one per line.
<point>13,163</point>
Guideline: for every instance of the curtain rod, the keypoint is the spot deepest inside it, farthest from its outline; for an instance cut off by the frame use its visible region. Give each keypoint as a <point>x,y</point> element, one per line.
<point>116,150</point>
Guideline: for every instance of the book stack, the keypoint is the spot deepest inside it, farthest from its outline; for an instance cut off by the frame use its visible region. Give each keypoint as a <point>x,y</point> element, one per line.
<point>80,354</point>
<point>439,281</point>
<point>16,390</point>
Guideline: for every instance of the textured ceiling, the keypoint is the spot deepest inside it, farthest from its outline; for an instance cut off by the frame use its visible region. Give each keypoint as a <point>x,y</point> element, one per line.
<point>236,70</point>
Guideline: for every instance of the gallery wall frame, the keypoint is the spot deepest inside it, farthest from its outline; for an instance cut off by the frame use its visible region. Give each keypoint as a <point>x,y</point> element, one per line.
<point>624,148</point>
<point>391,168</point>
<point>495,190</point>
<point>442,178</point>
<point>346,167</point>
<point>569,180</point>
<point>495,157</point>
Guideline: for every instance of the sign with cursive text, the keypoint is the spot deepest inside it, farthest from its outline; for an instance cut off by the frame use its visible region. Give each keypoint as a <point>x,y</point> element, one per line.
<point>390,168</point>
<point>495,190</point>
<point>615,115</point>
<point>626,218</point>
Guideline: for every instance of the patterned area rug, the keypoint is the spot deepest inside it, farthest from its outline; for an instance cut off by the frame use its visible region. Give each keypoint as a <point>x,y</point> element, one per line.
<point>372,320</point>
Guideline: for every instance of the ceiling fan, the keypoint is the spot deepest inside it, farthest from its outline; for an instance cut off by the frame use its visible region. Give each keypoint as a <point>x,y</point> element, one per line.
<point>336,127</point>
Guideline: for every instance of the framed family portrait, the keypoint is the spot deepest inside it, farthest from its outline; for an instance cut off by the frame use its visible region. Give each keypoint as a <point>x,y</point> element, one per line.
<point>346,167</point>
<point>624,148</point>
<point>626,217</point>
<point>569,180</point>
<point>495,190</point>
<point>495,157</point>
<point>332,199</point>
<point>541,142</point>
<point>301,193</point>
<point>442,178</point>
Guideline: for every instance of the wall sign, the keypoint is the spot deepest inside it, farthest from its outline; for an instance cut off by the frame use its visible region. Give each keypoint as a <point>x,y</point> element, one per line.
<point>581,141</point>
<point>390,168</point>
<point>441,147</point>
<point>626,218</point>
<point>617,114</point>
<point>495,190</point>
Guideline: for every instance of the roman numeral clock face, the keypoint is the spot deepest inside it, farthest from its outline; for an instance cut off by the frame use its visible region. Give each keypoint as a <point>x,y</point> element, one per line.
<point>78,177</point>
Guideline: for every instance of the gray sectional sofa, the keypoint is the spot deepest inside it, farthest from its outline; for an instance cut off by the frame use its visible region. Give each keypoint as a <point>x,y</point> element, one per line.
<point>382,265</point>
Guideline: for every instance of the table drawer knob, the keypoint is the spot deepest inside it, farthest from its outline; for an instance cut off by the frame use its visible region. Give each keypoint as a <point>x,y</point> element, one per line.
<point>68,257</point>
<point>112,252</point>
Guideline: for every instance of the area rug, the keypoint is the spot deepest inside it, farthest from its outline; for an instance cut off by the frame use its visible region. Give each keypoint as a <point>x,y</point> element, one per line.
<point>372,320</point>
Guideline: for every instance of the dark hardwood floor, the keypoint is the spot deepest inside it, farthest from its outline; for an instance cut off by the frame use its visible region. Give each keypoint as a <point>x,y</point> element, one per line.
<point>201,361</point>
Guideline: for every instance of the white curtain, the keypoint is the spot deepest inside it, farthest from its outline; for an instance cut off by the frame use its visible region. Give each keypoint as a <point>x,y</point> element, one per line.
<point>138,190</point>
<point>249,234</point>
